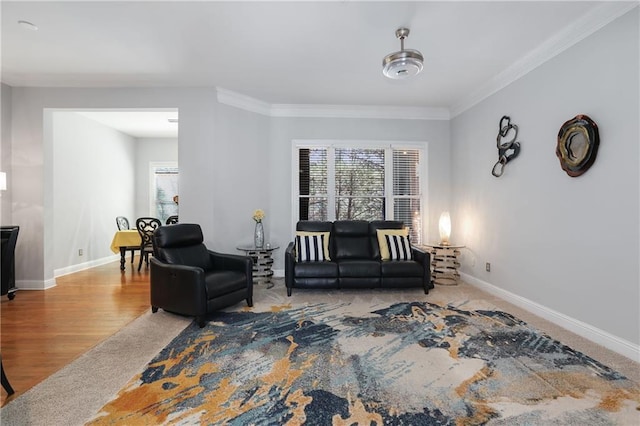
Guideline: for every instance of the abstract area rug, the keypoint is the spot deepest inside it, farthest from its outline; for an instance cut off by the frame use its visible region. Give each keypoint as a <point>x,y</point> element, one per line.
<point>343,364</point>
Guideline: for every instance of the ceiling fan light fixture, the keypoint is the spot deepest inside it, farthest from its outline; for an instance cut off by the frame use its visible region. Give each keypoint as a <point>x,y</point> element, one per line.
<point>402,64</point>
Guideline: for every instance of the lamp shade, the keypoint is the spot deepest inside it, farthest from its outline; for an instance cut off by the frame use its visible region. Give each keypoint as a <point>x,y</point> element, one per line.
<point>444,226</point>
<point>3,181</point>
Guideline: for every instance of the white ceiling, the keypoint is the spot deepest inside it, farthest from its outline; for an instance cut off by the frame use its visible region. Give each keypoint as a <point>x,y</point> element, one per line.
<point>139,124</point>
<point>311,53</point>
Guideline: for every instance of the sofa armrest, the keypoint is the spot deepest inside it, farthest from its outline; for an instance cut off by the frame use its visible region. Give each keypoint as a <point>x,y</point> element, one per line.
<point>289,262</point>
<point>424,259</point>
<point>178,288</point>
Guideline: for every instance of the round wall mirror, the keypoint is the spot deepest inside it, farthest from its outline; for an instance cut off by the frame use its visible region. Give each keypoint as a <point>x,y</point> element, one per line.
<point>577,146</point>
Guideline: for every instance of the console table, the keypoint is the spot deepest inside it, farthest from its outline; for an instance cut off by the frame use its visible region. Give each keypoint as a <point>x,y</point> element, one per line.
<point>444,263</point>
<point>262,262</point>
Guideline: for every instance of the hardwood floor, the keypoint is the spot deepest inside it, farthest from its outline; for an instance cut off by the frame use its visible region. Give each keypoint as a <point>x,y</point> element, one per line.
<point>42,331</point>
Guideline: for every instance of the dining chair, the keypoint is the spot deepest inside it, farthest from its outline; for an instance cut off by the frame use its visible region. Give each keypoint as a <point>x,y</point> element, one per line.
<point>122,222</point>
<point>123,225</point>
<point>146,227</point>
<point>172,220</point>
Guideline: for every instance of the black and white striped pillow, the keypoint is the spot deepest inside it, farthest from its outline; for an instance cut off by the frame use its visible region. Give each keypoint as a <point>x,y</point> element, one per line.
<point>310,248</point>
<point>399,247</point>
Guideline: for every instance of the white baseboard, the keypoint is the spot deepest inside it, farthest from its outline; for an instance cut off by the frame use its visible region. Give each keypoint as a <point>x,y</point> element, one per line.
<point>86,265</point>
<point>601,337</point>
<point>45,284</point>
<point>35,284</point>
<point>278,273</point>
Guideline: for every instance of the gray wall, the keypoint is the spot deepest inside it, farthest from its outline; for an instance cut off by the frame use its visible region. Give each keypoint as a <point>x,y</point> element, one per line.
<point>241,183</point>
<point>568,244</point>
<point>93,177</point>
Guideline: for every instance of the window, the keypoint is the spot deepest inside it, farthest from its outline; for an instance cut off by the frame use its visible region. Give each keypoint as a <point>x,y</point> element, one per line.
<point>366,183</point>
<point>164,187</point>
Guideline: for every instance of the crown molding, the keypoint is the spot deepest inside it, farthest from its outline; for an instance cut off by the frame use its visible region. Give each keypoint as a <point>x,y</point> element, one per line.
<point>241,101</point>
<point>248,103</point>
<point>359,111</point>
<point>577,31</point>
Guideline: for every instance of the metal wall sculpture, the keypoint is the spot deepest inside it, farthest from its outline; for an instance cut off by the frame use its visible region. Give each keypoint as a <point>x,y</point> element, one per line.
<point>507,151</point>
<point>577,146</point>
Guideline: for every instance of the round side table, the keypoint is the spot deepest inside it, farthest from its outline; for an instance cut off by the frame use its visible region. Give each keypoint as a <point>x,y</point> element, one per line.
<point>262,262</point>
<point>444,263</point>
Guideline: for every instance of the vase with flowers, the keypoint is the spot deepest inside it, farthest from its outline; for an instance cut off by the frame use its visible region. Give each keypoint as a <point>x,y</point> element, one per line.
<point>258,235</point>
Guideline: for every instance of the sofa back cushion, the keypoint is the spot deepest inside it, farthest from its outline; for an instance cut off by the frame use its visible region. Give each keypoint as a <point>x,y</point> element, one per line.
<point>373,233</point>
<point>314,226</point>
<point>351,240</point>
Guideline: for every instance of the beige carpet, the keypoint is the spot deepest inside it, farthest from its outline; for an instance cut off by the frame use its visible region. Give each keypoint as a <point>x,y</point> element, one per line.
<point>73,395</point>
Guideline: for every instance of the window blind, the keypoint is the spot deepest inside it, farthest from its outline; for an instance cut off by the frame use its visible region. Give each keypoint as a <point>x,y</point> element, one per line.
<point>313,183</point>
<point>406,190</point>
<point>338,183</point>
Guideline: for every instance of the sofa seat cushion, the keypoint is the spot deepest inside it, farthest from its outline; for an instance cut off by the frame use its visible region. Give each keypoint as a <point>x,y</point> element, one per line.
<point>316,270</point>
<point>359,268</point>
<point>401,268</point>
<point>219,283</point>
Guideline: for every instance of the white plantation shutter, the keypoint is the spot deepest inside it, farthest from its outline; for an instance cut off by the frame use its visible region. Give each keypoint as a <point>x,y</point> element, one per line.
<point>313,196</point>
<point>356,182</point>
<point>406,190</point>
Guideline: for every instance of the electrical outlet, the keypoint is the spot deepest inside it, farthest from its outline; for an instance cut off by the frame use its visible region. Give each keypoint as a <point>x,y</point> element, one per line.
<point>487,266</point>
<point>80,252</point>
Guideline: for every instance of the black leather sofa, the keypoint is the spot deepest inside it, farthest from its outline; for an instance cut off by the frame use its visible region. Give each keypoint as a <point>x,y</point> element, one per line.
<point>355,260</point>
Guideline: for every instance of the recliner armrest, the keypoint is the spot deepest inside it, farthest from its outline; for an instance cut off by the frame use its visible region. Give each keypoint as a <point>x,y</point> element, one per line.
<point>178,288</point>
<point>230,261</point>
<point>233,262</point>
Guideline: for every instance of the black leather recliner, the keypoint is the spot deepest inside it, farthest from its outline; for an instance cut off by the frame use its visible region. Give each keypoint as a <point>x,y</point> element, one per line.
<point>188,279</point>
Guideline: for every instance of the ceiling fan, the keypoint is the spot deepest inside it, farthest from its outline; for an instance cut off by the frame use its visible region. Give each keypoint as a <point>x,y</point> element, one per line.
<point>404,63</point>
